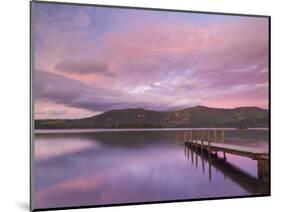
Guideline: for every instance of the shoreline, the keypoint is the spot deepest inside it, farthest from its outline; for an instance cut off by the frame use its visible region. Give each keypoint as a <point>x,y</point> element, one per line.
<point>51,131</point>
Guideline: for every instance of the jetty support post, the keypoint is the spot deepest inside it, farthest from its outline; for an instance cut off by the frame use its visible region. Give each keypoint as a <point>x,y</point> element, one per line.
<point>197,140</point>
<point>208,139</point>
<point>209,158</point>
<point>197,134</point>
<point>222,135</point>
<point>222,139</point>
<point>209,148</point>
<point>263,170</point>
<point>202,145</point>
<point>215,135</point>
<point>185,138</point>
<point>202,139</point>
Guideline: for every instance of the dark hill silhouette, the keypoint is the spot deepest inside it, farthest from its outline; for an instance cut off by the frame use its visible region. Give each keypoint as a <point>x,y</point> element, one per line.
<point>199,116</point>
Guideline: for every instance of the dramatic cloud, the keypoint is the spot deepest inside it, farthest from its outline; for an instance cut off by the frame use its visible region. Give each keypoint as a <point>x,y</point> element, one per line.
<point>75,94</point>
<point>62,90</point>
<point>83,67</point>
<point>97,59</point>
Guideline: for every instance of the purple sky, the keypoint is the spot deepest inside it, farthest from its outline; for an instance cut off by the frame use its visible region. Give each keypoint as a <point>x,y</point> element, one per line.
<point>89,60</point>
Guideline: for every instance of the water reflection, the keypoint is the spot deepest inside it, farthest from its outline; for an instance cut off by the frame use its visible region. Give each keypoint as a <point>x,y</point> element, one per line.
<point>230,171</point>
<point>121,167</point>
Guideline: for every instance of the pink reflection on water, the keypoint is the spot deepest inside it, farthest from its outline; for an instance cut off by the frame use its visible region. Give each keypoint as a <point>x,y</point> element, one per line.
<point>105,168</point>
<point>45,148</point>
<point>145,174</point>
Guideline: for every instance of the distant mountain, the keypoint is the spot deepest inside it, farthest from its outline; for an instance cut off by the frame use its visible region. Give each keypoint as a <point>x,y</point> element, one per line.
<point>199,116</point>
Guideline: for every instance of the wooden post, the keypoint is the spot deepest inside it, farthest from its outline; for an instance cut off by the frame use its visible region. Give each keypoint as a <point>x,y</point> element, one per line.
<point>222,135</point>
<point>222,139</point>
<point>196,136</point>
<point>215,135</point>
<point>202,138</point>
<point>209,157</point>
<point>196,142</point>
<point>209,137</point>
<point>190,135</point>
<point>201,147</point>
<point>263,170</point>
<point>209,148</point>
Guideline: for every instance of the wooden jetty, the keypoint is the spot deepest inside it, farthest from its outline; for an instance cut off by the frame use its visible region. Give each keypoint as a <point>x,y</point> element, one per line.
<point>202,139</point>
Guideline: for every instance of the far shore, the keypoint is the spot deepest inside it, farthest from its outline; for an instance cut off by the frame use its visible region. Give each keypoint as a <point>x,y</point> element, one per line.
<point>50,131</point>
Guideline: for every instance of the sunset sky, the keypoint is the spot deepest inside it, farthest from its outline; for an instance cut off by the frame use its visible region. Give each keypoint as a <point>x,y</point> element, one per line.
<point>90,60</point>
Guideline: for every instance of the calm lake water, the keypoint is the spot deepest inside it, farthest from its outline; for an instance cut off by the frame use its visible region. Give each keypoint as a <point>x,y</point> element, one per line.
<point>82,167</point>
